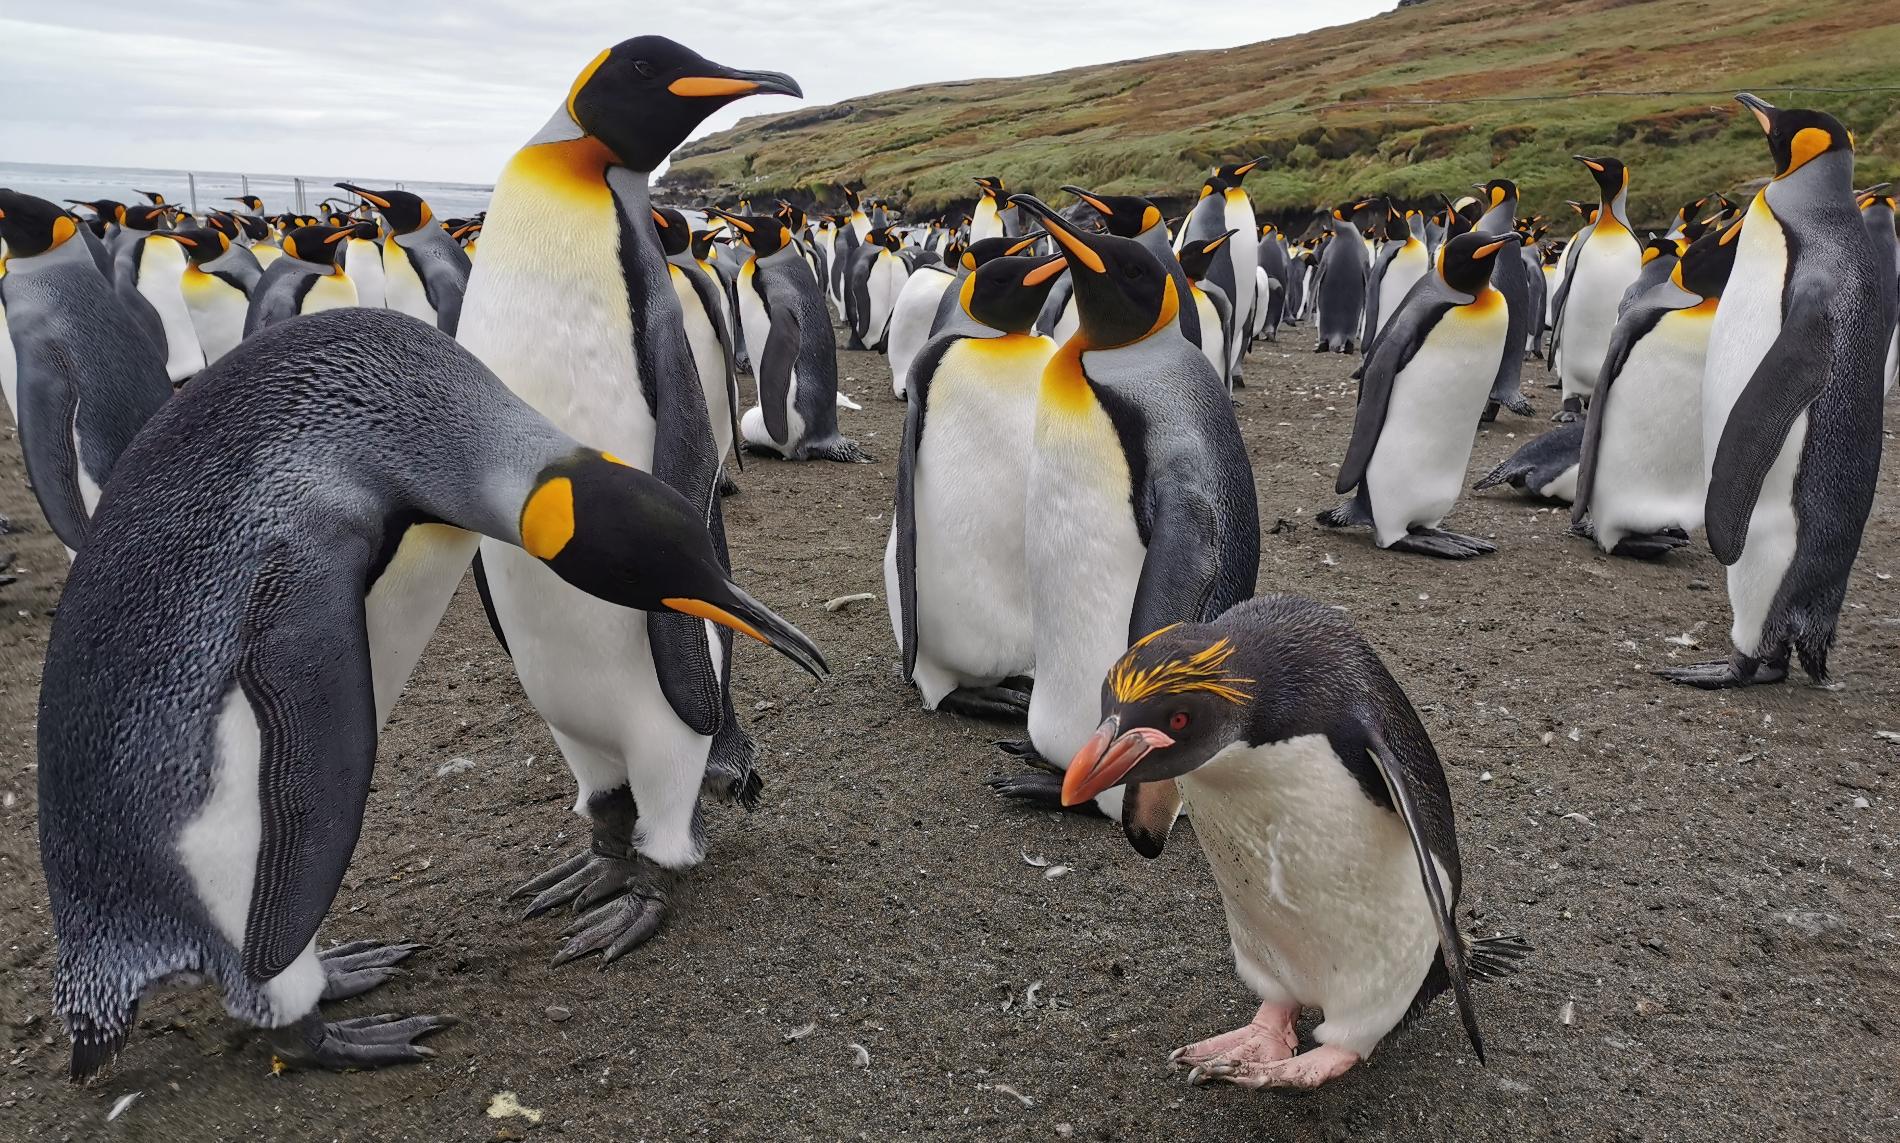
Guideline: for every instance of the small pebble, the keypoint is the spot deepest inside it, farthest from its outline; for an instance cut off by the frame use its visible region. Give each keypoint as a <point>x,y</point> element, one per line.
<point>1861,803</point>
<point>1065,1131</point>
<point>1653,944</point>
<point>455,766</point>
<point>1649,1007</point>
<point>557,1013</point>
<point>1567,1015</point>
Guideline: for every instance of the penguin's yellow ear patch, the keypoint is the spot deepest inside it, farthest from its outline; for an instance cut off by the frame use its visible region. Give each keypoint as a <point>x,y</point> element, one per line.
<point>1807,143</point>
<point>63,228</point>
<point>580,81</point>
<point>547,520</point>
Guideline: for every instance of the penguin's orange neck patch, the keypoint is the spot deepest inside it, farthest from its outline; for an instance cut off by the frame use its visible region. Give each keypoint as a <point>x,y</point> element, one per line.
<point>570,168</point>
<point>1065,388</point>
<point>1488,299</point>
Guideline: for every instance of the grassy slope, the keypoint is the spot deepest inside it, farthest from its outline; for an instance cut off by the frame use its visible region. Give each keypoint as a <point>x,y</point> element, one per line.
<point>1327,109</point>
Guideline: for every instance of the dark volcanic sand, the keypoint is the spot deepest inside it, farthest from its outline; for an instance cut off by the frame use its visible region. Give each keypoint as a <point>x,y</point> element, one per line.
<point>1691,867</point>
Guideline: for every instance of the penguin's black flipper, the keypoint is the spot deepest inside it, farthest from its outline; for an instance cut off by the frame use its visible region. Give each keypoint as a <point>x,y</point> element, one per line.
<point>773,369</point>
<point>302,650</point>
<point>1630,329</point>
<point>488,603</point>
<point>904,510</point>
<point>1180,575</point>
<point>46,409</point>
<point>1784,384</point>
<point>1424,805</point>
<point>1558,303</point>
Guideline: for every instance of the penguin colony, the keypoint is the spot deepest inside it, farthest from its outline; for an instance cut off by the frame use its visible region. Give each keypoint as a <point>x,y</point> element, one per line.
<point>329,420</point>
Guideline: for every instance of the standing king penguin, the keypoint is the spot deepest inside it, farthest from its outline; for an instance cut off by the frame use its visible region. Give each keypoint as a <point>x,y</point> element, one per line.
<point>708,330</point>
<point>955,573</point>
<point>306,280</point>
<point>1791,404</point>
<point>1141,508</point>
<point>216,286</point>
<point>1339,291</point>
<point>571,306</point>
<point>1877,212</point>
<point>1425,386</point>
<point>206,741</point>
<point>1602,266</point>
<point>87,376</point>
<point>425,272</point>
<point>1325,815</point>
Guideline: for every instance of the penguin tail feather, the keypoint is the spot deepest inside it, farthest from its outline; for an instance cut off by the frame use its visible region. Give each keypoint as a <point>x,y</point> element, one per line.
<point>1499,475</point>
<point>1494,958</point>
<point>96,1044</point>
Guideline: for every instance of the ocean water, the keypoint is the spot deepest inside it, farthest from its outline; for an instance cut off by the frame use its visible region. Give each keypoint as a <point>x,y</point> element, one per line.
<point>279,192</point>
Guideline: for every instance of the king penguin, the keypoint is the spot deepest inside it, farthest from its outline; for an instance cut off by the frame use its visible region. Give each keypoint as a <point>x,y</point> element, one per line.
<point>955,573</point>
<point>1131,216</point>
<point>796,362</point>
<point>876,278</point>
<point>1224,205</point>
<point>153,267</point>
<point>1425,386</point>
<point>425,272</point>
<point>362,259</point>
<point>216,285</point>
<point>87,378</point>
<point>1140,508</point>
<point>298,480</point>
<point>1602,265</point>
<point>1325,817</point>
<point>1401,263</point>
<point>1877,211</point>
<point>916,311</point>
<point>986,220</point>
<point>306,280</point>
<point>636,701</point>
<point>1791,404</point>
<point>1339,292</point>
<point>1198,256</point>
<point>708,328</point>
<point>1511,278</point>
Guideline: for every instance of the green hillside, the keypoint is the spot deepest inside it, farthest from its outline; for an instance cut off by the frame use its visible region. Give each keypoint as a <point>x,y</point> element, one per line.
<point>1427,98</point>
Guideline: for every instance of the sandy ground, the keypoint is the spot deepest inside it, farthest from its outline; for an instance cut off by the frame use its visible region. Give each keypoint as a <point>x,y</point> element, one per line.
<point>1709,879</point>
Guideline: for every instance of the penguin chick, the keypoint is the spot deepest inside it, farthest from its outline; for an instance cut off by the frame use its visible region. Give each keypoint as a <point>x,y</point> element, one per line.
<point>1323,811</point>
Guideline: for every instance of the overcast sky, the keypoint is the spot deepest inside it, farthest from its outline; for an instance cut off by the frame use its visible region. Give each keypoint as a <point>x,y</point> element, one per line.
<point>421,90</point>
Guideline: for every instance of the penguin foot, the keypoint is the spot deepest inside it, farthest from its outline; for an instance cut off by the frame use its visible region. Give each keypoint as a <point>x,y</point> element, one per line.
<point>1649,547</point>
<point>1442,545</point>
<point>1490,413</point>
<point>1722,674</point>
<point>1305,1071</point>
<point>1322,347</point>
<point>843,450</point>
<point>1514,401</point>
<point>727,485</point>
<point>615,929</point>
<point>1571,412</point>
<point>1023,751</point>
<point>586,879</point>
<point>363,1042</point>
<point>354,968</point>
<point>1269,1037</point>
<point>987,702</point>
<point>1041,790</point>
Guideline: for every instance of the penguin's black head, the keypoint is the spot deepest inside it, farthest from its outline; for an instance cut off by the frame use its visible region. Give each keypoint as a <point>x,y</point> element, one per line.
<point>1122,294</point>
<point>1655,248</point>
<point>643,96</point>
<point>254,226</point>
<point>144,218</point>
<point>1397,229</point>
<point>32,226</point>
<point>1467,259</point>
<point>1704,267</point>
<point>1007,293</point>
<point>1612,177</point>
<point>1496,193</point>
<point>1217,183</point>
<point>763,233</point>
<point>984,250</point>
<point>670,224</point>
<point>953,252</point>
<point>1125,215</point>
<point>882,236</point>
<point>1234,172</point>
<point>703,244</point>
<point>362,231</point>
<point>1197,257</point>
<point>627,537</point>
<point>791,216</point>
<point>249,202</point>
<point>202,244</point>
<point>316,243</point>
<point>1689,210</point>
<point>992,187</point>
<point>1797,136</point>
<point>1554,253</point>
<point>1881,194</point>
<point>405,212</point>
<point>1172,702</point>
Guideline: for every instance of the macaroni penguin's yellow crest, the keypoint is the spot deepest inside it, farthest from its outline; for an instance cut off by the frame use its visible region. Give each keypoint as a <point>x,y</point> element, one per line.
<point>1203,671</point>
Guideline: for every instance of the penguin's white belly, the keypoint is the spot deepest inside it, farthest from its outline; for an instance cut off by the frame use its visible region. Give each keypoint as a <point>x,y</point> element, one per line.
<point>1070,320</point>
<point>1401,274</point>
<point>406,603</point>
<point>1085,557</point>
<point>1605,268</point>
<point>1756,577</point>
<point>1893,360</point>
<point>1418,467</point>
<point>910,322</point>
<point>90,487</point>
<point>332,291</point>
<point>887,280</point>
<point>364,264</point>
<point>9,370</point>
<point>709,358</point>
<point>1747,322</point>
<point>161,271</point>
<point>1325,906</point>
<point>1262,290</point>
<point>757,323</point>
<point>218,850</point>
<point>973,608</point>
<point>402,285</point>
<point>1244,255</point>
<point>986,221</point>
<point>1553,281</point>
<point>1649,457</point>
<point>1213,337</point>
<point>1563,488</point>
<point>217,313</point>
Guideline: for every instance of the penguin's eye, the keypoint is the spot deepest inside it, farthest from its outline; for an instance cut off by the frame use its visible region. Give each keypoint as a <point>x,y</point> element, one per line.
<point>1178,721</point>
<point>644,68</point>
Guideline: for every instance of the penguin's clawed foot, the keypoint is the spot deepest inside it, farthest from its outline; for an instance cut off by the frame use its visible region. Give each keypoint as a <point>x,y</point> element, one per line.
<point>727,485</point>
<point>586,880</point>
<point>1514,401</point>
<point>1271,1036</point>
<point>1723,674</point>
<point>1443,545</point>
<point>615,929</point>
<point>1571,412</point>
<point>999,702</point>
<point>1650,547</point>
<point>1025,752</point>
<point>1305,1071</point>
<point>1040,789</point>
<point>844,450</point>
<point>354,968</point>
<point>363,1042</point>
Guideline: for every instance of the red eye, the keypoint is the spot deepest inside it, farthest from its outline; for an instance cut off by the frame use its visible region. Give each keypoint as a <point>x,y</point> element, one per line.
<point>1178,721</point>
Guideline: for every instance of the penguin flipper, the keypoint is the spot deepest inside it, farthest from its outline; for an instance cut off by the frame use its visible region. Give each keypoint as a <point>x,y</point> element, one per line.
<point>1783,386</point>
<point>774,370</point>
<point>904,510</point>
<point>303,666</point>
<point>1430,828</point>
<point>1181,572</point>
<point>1407,331</point>
<point>48,400</point>
<point>1630,329</point>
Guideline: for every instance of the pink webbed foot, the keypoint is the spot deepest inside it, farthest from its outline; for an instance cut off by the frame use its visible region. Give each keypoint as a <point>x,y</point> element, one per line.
<point>1305,1071</point>
<point>1270,1036</point>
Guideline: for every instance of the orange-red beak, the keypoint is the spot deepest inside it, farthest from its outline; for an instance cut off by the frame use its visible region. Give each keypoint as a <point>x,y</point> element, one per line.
<point>1107,757</point>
